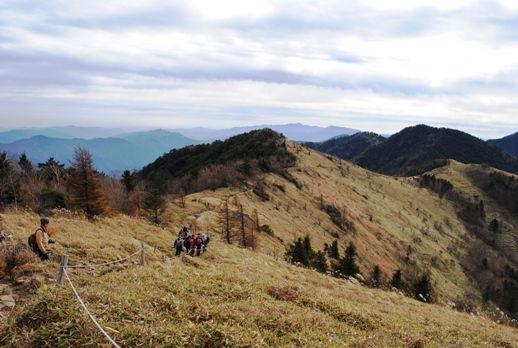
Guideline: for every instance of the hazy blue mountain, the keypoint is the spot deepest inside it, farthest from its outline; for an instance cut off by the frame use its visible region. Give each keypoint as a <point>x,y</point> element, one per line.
<point>293,131</point>
<point>131,151</point>
<point>65,132</point>
<point>158,141</point>
<point>8,137</point>
<point>108,153</point>
<point>508,143</point>
<point>114,149</point>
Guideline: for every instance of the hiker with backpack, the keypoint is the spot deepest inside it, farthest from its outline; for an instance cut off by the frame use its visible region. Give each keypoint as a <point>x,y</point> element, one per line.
<point>39,240</point>
<point>178,244</point>
<point>198,244</point>
<point>192,245</point>
<point>205,239</point>
<point>187,244</point>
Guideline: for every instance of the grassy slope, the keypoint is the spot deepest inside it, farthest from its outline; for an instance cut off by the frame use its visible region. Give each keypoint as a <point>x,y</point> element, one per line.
<point>236,297</point>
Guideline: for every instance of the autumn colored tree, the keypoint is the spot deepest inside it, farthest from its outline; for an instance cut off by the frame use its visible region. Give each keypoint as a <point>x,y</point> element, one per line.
<point>115,192</point>
<point>84,186</point>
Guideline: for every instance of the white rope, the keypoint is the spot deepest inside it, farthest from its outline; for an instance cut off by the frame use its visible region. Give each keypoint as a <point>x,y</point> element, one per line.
<point>106,263</point>
<point>87,311</point>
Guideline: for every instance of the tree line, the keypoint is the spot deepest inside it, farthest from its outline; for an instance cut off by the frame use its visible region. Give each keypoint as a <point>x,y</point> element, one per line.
<point>79,186</point>
<point>329,261</point>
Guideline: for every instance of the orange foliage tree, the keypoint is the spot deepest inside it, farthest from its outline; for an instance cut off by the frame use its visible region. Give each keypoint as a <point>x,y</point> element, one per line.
<point>84,186</point>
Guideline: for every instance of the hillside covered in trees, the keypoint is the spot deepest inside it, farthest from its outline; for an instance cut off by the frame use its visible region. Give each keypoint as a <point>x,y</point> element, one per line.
<point>348,147</point>
<point>221,163</point>
<point>417,149</point>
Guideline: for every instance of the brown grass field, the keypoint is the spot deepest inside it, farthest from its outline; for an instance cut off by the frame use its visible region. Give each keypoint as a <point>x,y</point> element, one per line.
<point>235,297</point>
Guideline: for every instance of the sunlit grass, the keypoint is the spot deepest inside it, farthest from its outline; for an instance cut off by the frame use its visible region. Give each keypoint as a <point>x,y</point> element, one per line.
<point>239,298</point>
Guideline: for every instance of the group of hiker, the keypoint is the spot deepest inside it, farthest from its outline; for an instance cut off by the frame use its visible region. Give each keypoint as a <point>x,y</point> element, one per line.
<point>194,245</point>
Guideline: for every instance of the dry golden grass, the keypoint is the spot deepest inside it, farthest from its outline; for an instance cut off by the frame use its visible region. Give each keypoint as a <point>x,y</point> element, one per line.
<point>234,297</point>
<point>239,298</point>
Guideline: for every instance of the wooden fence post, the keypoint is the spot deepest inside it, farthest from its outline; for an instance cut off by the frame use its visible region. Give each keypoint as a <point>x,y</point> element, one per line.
<point>143,256</point>
<point>62,266</point>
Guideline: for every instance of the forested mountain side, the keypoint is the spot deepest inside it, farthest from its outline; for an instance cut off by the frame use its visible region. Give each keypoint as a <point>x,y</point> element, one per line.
<point>508,143</point>
<point>221,163</point>
<point>348,147</point>
<point>414,147</point>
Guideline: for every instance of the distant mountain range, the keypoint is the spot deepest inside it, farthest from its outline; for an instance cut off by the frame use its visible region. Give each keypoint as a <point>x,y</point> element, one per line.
<point>408,151</point>
<point>128,151</point>
<point>119,150</point>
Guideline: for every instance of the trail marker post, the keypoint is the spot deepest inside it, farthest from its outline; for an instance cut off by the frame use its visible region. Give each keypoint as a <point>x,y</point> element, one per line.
<point>62,266</point>
<point>143,256</point>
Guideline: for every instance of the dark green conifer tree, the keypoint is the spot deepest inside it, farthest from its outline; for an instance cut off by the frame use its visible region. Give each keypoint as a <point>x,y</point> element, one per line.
<point>376,277</point>
<point>154,204</point>
<point>347,265</point>
<point>320,262</point>
<point>422,287</point>
<point>397,280</point>
<point>333,250</point>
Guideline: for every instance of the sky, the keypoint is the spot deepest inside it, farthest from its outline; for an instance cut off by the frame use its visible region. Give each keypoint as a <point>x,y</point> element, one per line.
<point>371,65</point>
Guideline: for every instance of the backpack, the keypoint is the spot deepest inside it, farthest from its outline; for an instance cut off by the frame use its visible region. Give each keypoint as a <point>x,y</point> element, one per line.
<point>32,242</point>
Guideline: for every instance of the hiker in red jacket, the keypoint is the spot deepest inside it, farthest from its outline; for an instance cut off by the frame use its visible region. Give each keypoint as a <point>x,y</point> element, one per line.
<point>193,245</point>
<point>198,244</point>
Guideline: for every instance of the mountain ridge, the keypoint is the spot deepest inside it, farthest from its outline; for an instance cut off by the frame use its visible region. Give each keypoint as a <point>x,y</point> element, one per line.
<point>433,225</point>
<point>414,149</point>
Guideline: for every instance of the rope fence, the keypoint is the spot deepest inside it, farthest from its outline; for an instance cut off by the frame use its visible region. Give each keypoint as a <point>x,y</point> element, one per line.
<point>87,311</point>
<point>63,274</point>
<point>106,263</point>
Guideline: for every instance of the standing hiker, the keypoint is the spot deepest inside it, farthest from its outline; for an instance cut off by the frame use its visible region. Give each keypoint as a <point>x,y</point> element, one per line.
<point>199,244</point>
<point>178,244</point>
<point>187,244</point>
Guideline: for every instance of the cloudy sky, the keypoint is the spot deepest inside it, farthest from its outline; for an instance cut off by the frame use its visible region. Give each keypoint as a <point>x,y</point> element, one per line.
<point>373,65</point>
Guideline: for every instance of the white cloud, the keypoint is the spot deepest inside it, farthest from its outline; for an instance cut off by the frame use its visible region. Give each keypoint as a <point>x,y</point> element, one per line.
<point>512,4</point>
<point>405,4</point>
<point>226,63</point>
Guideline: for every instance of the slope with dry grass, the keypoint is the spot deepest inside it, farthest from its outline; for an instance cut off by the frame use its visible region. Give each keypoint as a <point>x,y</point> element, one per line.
<point>235,297</point>
<point>229,297</point>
